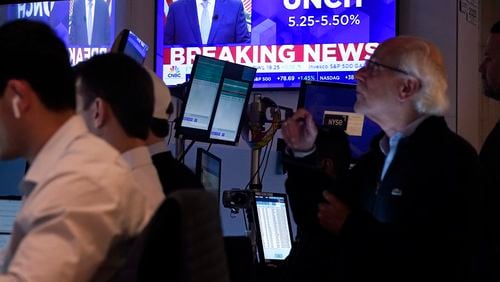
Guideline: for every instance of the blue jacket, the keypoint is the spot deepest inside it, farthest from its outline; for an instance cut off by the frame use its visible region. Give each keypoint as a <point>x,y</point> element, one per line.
<point>228,24</point>
<point>78,28</point>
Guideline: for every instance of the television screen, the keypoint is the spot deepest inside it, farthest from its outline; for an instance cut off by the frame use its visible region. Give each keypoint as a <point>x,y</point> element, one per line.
<point>332,104</point>
<point>86,26</point>
<point>129,43</point>
<point>69,21</point>
<point>217,95</point>
<point>286,40</point>
<point>208,169</point>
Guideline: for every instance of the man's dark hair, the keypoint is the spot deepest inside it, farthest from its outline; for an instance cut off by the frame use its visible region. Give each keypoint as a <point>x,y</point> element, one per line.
<point>333,143</point>
<point>495,28</point>
<point>32,52</point>
<point>124,84</point>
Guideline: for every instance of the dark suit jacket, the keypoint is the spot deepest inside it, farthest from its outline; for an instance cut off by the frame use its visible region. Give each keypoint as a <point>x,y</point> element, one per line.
<point>314,250</point>
<point>173,174</point>
<point>489,158</point>
<point>78,27</point>
<point>421,221</point>
<point>228,24</point>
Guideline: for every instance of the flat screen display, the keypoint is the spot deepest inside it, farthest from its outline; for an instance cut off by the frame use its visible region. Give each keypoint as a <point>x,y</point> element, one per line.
<point>286,40</point>
<point>202,93</point>
<point>273,226</point>
<point>217,95</point>
<point>9,206</point>
<point>228,116</point>
<point>136,48</point>
<point>332,104</point>
<point>86,26</point>
<point>208,169</point>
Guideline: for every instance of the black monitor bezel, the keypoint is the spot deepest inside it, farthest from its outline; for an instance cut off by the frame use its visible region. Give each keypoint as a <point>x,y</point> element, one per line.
<point>120,41</point>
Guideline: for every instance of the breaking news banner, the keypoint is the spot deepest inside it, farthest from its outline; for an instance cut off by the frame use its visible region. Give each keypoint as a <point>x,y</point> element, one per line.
<point>289,40</point>
<point>85,31</point>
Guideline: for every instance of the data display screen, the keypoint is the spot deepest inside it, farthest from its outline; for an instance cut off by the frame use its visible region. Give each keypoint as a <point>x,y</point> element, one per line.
<point>286,40</point>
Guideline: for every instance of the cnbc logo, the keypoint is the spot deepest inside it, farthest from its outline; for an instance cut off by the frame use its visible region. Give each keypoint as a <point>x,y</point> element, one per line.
<point>174,72</point>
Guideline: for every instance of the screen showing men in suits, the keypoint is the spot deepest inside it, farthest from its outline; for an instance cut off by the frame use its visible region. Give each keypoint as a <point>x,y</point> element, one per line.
<point>286,40</point>
<point>206,22</point>
<point>86,26</point>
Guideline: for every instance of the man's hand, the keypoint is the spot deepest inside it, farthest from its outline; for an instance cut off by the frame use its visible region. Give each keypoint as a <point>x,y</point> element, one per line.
<point>332,214</point>
<point>299,131</point>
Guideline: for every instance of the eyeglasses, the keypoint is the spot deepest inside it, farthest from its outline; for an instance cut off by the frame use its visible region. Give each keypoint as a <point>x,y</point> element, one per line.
<point>370,66</point>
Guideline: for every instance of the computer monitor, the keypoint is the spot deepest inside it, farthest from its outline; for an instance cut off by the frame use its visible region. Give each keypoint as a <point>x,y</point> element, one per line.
<point>332,104</point>
<point>216,99</point>
<point>272,221</point>
<point>9,206</point>
<point>130,44</point>
<point>208,170</point>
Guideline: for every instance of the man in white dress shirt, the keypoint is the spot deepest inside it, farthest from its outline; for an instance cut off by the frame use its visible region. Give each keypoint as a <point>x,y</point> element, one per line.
<point>81,206</point>
<point>115,97</point>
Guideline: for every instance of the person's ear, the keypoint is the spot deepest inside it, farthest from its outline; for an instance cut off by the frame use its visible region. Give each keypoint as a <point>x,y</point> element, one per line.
<point>99,112</point>
<point>18,91</point>
<point>409,87</point>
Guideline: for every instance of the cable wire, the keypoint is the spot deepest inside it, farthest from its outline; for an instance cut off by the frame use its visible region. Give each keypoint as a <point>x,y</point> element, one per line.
<point>181,158</point>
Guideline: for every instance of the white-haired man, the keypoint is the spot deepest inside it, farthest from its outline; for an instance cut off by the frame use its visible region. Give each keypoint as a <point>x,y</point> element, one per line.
<point>406,214</point>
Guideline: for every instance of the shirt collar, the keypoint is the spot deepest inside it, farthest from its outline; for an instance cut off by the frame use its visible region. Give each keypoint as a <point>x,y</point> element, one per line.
<point>52,151</point>
<point>407,131</point>
<point>199,2</point>
<point>157,148</point>
<point>137,157</point>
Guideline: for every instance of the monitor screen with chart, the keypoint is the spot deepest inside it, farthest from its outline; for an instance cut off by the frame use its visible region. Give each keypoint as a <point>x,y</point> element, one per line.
<point>217,95</point>
<point>274,233</point>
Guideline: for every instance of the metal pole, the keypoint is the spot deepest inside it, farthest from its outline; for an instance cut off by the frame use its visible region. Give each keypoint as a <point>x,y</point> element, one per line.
<point>255,185</point>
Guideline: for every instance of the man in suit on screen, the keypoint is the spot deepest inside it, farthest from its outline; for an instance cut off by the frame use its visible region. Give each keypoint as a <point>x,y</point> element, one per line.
<point>207,22</point>
<point>90,23</point>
